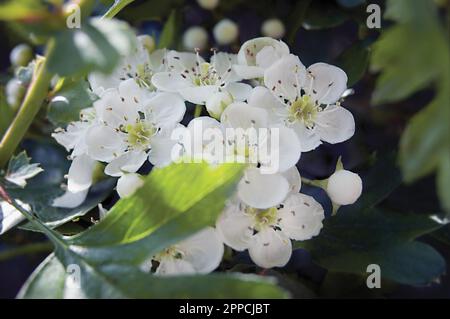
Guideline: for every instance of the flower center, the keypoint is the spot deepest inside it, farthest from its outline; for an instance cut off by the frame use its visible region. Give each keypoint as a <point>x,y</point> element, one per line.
<point>139,134</point>
<point>207,75</point>
<point>171,252</point>
<point>263,218</point>
<point>303,109</point>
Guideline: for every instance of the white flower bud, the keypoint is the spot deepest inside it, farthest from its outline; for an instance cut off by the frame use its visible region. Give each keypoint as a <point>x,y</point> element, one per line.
<point>208,4</point>
<point>15,92</point>
<point>217,103</point>
<point>128,184</point>
<point>273,28</point>
<point>195,38</point>
<point>21,55</point>
<point>344,187</point>
<point>225,32</point>
<point>147,42</point>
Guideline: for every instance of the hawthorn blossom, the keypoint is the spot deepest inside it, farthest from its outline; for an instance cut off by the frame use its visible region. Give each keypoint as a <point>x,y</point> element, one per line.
<point>265,182</point>
<point>306,100</point>
<point>256,55</point>
<point>267,233</point>
<point>196,80</point>
<point>133,125</point>
<point>139,65</point>
<point>200,253</point>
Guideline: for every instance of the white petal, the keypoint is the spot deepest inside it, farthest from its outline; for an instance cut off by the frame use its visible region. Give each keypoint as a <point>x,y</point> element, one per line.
<point>80,173</point>
<point>198,94</point>
<point>70,200</point>
<point>235,227</point>
<point>72,136</point>
<point>10,216</point>
<point>344,187</point>
<point>285,77</point>
<point>129,162</point>
<point>270,248</point>
<point>127,184</point>
<point>249,49</point>
<point>262,190</point>
<point>162,150</point>
<point>104,143</point>
<point>301,217</point>
<point>242,115</point>
<point>170,81</point>
<point>116,109</point>
<point>173,266</point>
<point>309,138</point>
<point>182,61</point>
<point>133,94</point>
<point>248,72</point>
<point>204,250</point>
<point>165,109</point>
<point>280,151</point>
<point>325,82</point>
<point>294,179</point>
<point>335,124</point>
<point>239,91</point>
<point>222,63</point>
<point>267,56</point>
<point>261,97</point>
<point>217,103</point>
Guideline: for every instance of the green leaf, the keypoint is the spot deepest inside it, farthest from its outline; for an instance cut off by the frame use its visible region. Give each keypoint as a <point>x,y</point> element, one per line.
<point>41,190</point>
<point>324,15</point>
<point>354,61</point>
<point>116,8</point>
<point>442,234</point>
<point>169,31</point>
<point>20,169</point>
<point>360,235</point>
<point>296,19</point>
<point>97,45</point>
<point>156,216</point>
<point>443,181</point>
<point>50,280</point>
<point>46,282</point>
<point>67,103</point>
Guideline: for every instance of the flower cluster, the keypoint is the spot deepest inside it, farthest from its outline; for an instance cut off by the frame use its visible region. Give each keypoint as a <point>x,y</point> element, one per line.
<point>141,104</point>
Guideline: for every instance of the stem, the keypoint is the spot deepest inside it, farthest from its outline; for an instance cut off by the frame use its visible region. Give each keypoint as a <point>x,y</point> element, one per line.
<point>36,94</point>
<point>315,182</point>
<point>26,249</point>
<point>198,110</point>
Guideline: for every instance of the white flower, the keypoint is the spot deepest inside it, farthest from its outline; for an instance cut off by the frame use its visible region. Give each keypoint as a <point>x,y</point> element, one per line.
<point>267,233</point>
<point>273,28</point>
<point>225,32</point>
<point>128,184</point>
<point>197,80</point>
<point>208,4</point>
<point>217,103</point>
<point>257,188</point>
<point>344,187</point>
<point>306,100</point>
<point>258,54</point>
<point>199,254</point>
<point>195,38</point>
<point>140,65</point>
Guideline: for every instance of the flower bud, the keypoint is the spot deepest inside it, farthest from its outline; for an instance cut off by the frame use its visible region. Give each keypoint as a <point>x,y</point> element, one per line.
<point>15,92</point>
<point>273,28</point>
<point>208,4</point>
<point>195,38</point>
<point>344,187</point>
<point>147,42</point>
<point>128,184</point>
<point>217,103</point>
<point>225,32</point>
<point>21,55</point>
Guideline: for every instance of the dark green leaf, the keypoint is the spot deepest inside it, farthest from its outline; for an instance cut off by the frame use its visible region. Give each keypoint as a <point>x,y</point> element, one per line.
<point>116,8</point>
<point>65,107</point>
<point>20,169</point>
<point>97,45</point>
<point>354,61</point>
<point>169,32</point>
